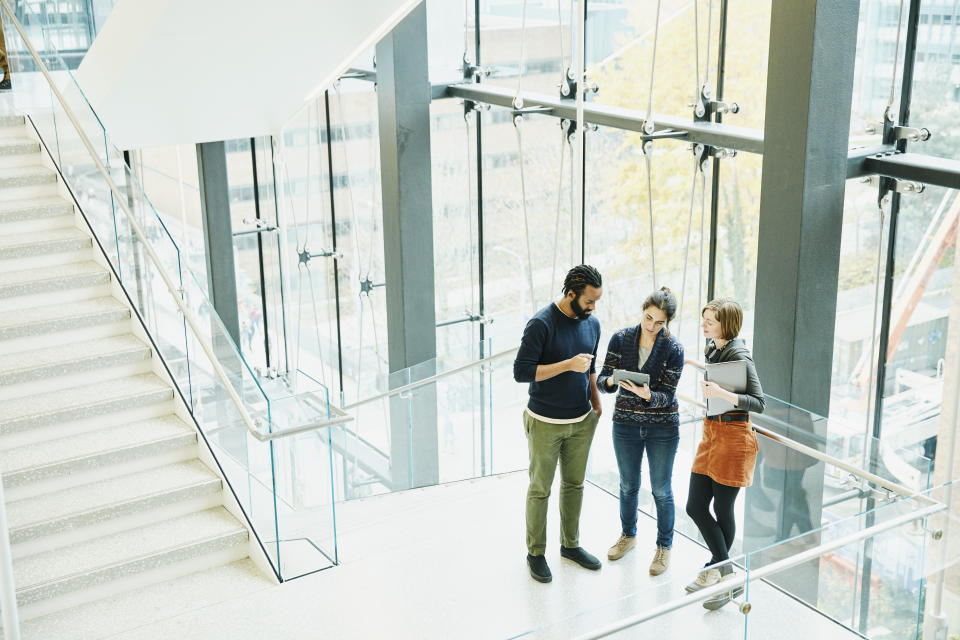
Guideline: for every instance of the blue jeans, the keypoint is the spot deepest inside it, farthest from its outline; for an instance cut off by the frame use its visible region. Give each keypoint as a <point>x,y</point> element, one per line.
<point>660,442</point>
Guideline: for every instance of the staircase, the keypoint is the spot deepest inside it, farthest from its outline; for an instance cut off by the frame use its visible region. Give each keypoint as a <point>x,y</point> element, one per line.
<point>104,489</point>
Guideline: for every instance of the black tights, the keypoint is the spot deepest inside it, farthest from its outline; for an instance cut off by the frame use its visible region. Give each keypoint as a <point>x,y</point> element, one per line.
<point>717,532</point>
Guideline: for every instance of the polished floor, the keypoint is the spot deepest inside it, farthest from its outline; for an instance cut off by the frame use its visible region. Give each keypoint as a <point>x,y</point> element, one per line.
<point>443,562</point>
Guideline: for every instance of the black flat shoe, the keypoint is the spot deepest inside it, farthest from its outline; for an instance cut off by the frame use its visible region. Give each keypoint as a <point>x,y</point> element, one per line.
<point>581,557</point>
<point>539,570</point>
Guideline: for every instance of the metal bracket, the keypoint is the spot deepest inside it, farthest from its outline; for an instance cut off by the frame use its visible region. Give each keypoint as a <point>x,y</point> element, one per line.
<point>469,106</point>
<point>367,286</point>
<point>259,226</point>
<point>468,316</point>
<point>873,128</point>
<point>724,107</point>
<point>705,106</point>
<point>665,133</point>
<point>892,185</point>
<point>911,134</point>
<point>908,186</point>
<point>568,88</point>
<point>702,153</point>
<point>570,126</point>
<point>306,256</point>
<point>519,112</point>
<point>471,71</point>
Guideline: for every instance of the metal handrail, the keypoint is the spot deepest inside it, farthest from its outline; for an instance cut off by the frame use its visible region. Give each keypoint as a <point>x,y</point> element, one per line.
<point>120,199</point>
<point>421,383</point>
<point>768,570</point>
<point>8,590</point>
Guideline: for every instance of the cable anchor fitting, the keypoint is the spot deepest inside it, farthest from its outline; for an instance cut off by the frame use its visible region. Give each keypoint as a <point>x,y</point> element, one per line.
<point>367,286</point>
<point>306,256</point>
<point>911,134</point>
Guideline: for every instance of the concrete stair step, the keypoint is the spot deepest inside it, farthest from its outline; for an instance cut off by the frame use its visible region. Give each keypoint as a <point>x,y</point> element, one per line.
<point>39,243</point>
<point>111,499</point>
<point>26,176</point>
<point>12,121</point>
<point>36,209</point>
<point>47,319</point>
<point>121,555</point>
<point>61,457</point>
<point>128,612</point>
<point>18,146</point>
<point>48,279</point>
<point>82,402</point>
<point>81,357</point>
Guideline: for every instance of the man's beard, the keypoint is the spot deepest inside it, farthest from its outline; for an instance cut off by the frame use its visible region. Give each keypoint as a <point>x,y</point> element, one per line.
<point>581,313</point>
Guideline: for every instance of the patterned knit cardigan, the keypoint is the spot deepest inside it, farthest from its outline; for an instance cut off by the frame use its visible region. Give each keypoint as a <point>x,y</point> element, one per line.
<point>664,365</point>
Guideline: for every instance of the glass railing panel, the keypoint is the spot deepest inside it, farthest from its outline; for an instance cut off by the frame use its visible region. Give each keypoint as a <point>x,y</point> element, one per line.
<point>792,493</point>
<point>944,552</point>
<point>818,598</point>
<point>304,467</point>
<point>462,423</point>
<point>870,586</point>
<point>641,607</point>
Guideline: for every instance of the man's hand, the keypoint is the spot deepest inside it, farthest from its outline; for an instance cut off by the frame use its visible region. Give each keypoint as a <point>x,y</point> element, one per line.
<point>598,408</point>
<point>580,363</point>
<point>641,390</point>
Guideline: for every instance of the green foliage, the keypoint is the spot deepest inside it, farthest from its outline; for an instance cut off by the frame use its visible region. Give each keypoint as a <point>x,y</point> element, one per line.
<point>624,82</point>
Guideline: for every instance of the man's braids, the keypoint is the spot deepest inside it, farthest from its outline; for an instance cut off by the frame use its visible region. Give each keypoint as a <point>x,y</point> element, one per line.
<point>581,277</point>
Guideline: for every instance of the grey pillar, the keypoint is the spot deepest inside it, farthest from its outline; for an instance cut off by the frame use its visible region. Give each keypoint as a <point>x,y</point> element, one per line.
<point>403,98</point>
<point>809,94</point>
<point>218,234</point>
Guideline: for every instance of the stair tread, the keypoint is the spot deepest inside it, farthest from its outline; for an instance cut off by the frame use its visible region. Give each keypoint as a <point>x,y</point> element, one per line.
<point>130,612</point>
<point>17,142</point>
<point>80,396</point>
<point>59,450</point>
<point>102,494</point>
<point>7,173</point>
<point>117,549</point>
<point>68,353</point>
<point>41,237</point>
<point>50,203</point>
<point>54,273</point>
<point>60,311</point>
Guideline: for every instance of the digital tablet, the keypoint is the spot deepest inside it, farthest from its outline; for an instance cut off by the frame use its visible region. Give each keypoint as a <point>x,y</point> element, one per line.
<point>635,377</point>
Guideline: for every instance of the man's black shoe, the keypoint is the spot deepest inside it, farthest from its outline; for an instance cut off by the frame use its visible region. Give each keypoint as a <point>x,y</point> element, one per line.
<point>6,85</point>
<point>581,557</point>
<point>539,570</point>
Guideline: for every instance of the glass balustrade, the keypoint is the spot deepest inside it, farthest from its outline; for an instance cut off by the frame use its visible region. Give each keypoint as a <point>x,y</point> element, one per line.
<point>199,352</point>
<point>811,585</point>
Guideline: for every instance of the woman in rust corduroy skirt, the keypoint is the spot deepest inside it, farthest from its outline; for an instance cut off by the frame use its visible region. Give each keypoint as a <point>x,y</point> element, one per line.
<point>728,452</point>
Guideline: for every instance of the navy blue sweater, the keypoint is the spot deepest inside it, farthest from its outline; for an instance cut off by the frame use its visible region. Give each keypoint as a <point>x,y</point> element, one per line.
<point>549,337</point>
<point>664,366</point>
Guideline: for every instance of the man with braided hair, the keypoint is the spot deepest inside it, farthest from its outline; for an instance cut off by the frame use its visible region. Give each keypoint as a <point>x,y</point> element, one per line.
<point>556,357</point>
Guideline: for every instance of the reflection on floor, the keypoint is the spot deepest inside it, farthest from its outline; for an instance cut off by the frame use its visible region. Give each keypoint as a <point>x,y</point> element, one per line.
<point>448,562</point>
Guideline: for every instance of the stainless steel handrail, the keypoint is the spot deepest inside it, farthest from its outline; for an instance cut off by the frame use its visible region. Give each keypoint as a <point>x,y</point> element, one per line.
<point>421,383</point>
<point>121,201</point>
<point>768,570</point>
<point>8,590</point>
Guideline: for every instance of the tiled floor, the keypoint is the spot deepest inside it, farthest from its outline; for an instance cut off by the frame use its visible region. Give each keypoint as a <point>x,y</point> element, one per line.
<point>444,562</point>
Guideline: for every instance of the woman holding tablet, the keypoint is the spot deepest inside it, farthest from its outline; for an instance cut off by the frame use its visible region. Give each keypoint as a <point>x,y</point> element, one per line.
<point>645,418</point>
<point>726,456</point>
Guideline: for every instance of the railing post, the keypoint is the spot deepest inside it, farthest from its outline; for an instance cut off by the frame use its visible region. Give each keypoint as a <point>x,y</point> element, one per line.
<point>8,593</point>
